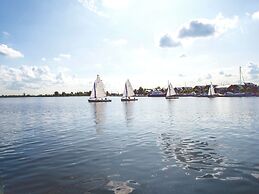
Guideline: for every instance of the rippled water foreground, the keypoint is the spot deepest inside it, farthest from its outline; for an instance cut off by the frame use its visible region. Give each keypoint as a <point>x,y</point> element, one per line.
<point>189,145</point>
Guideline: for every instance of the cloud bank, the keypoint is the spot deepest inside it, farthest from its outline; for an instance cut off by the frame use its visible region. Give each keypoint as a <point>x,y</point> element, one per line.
<point>199,28</point>
<point>35,77</point>
<point>24,77</point>
<point>255,15</point>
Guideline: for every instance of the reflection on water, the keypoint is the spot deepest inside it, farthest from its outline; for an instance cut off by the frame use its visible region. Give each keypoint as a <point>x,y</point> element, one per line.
<point>98,110</point>
<point>171,109</point>
<point>128,110</point>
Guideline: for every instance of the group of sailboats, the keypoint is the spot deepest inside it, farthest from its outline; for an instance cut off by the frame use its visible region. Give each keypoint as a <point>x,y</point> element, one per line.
<point>98,93</point>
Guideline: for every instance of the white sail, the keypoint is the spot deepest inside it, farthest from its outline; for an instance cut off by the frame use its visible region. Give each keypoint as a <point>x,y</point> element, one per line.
<point>98,89</point>
<point>170,90</point>
<point>128,89</point>
<point>211,90</point>
<point>93,92</point>
<point>125,92</point>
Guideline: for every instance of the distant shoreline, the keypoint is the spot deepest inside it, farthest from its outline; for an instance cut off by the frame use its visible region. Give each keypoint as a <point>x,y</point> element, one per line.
<point>31,96</point>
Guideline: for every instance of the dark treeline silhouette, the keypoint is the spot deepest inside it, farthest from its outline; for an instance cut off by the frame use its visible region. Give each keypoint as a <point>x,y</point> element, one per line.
<point>60,94</point>
<point>247,88</point>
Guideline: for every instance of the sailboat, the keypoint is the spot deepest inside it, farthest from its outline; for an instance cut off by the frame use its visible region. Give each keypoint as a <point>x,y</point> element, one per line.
<point>170,94</point>
<point>211,92</point>
<point>98,94</point>
<point>128,94</point>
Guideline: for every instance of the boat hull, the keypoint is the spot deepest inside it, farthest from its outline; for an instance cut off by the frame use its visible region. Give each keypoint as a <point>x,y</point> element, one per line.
<point>171,97</point>
<point>99,100</point>
<point>156,95</point>
<point>128,100</point>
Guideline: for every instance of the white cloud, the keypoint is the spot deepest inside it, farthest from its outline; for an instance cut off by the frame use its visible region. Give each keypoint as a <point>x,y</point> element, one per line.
<point>10,52</point>
<point>200,28</point>
<point>195,29</point>
<point>43,59</point>
<point>91,5</point>
<point>6,34</point>
<point>37,78</point>
<point>223,24</point>
<point>62,57</point>
<point>255,15</point>
<point>65,56</point>
<point>97,6</point>
<point>209,76</point>
<point>57,59</point>
<point>228,75</point>
<point>168,41</point>
<point>26,77</point>
<point>221,73</point>
<point>253,71</point>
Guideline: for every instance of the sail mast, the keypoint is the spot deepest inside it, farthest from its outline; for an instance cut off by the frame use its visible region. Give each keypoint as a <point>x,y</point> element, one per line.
<point>126,89</point>
<point>94,90</point>
<point>240,73</point>
<point>169,88</point>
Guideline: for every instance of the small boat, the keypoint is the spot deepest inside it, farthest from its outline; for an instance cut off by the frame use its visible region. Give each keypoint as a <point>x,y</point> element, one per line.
<point>211,92</point>
<point>128,94</point>
<point>170,94</point>
<point>98,93</point>
<point>156,93</point>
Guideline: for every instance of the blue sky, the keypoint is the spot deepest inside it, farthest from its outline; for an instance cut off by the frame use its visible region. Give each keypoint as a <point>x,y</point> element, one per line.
<point>62,44</point>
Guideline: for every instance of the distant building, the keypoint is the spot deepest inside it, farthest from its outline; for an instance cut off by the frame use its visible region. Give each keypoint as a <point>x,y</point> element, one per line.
<point>200,89</point>
<point>222,89</point>
<point>236,88</point>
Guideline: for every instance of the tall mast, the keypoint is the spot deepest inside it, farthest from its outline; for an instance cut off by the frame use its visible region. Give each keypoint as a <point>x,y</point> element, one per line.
<point>240,76</point>
<point>126,89</point>
<point>169,88</point>
<point>94,90</point>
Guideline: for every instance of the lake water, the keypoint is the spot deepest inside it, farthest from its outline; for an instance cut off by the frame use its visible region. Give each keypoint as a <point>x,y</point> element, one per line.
<point>190,145</point>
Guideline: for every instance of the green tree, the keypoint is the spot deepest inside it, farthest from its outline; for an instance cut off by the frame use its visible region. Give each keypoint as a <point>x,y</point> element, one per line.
<point>140,90</point>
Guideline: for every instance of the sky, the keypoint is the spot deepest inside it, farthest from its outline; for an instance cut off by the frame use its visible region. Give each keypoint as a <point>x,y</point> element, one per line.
<point>61,45</point>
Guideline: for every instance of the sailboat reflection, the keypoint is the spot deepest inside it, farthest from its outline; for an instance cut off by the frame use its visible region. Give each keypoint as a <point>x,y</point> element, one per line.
<point>171,112</point>
<point>99,115</point>
<point>128,109</point>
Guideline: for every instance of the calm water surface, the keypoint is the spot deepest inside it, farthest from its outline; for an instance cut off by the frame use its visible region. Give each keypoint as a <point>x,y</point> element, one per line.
<point>189,145</point>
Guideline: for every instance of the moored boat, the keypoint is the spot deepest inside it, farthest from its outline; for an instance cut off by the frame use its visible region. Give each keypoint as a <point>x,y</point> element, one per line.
<point>157,93</point>
<point>98,93</point>
<point>128,94</point>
